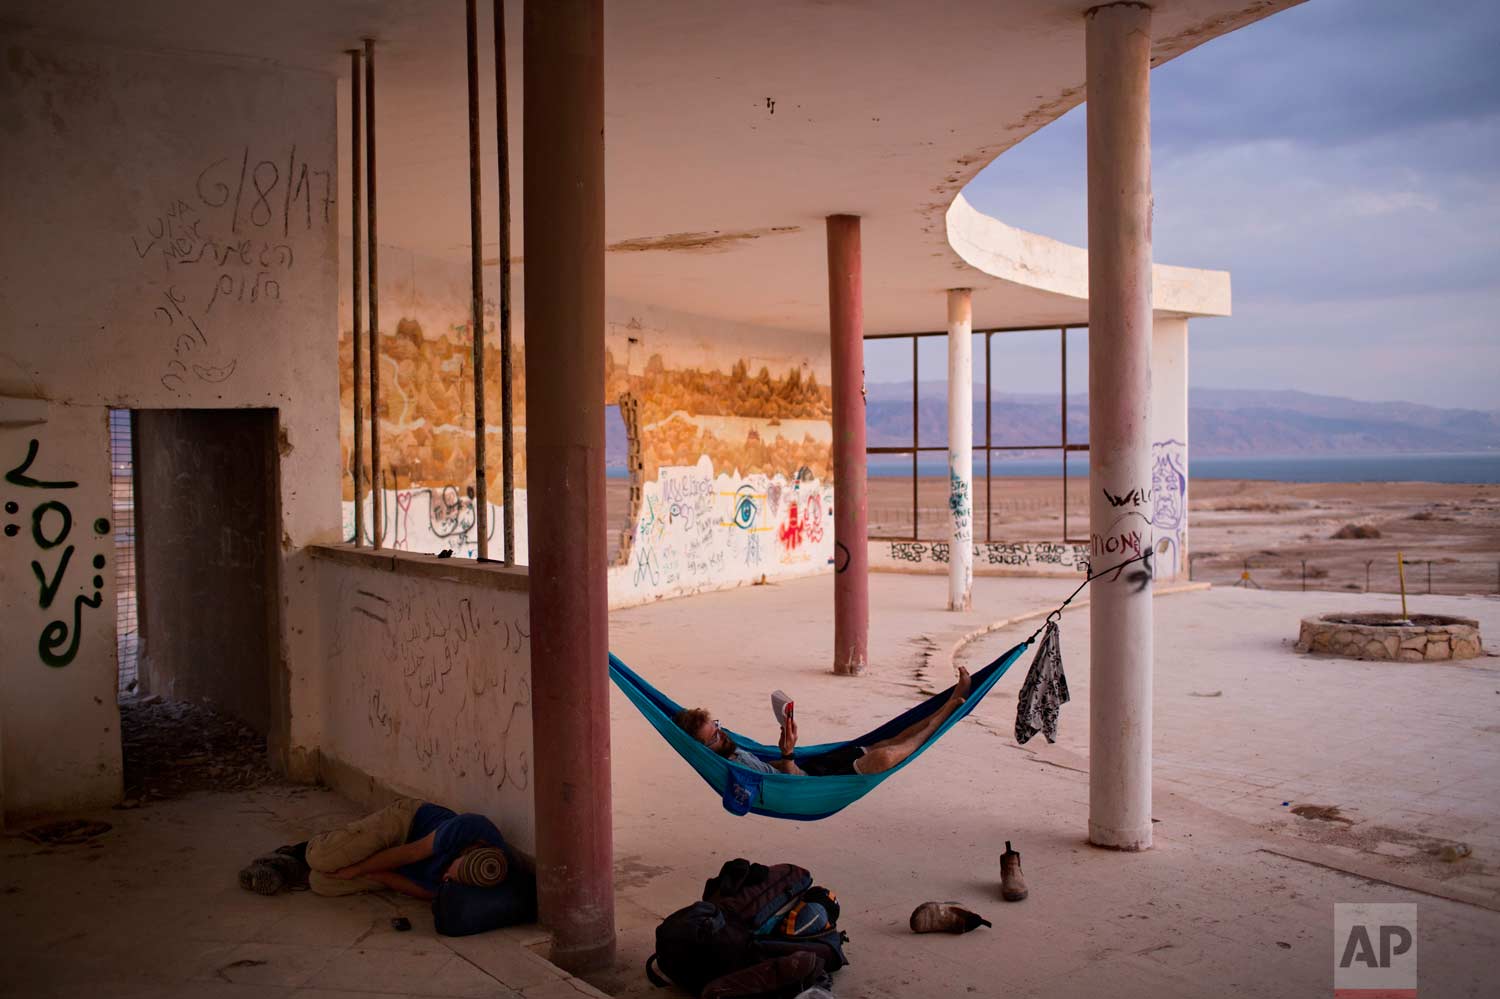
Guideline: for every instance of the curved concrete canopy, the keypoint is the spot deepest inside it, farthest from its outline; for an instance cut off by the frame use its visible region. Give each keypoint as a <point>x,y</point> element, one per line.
<point>732,130</point>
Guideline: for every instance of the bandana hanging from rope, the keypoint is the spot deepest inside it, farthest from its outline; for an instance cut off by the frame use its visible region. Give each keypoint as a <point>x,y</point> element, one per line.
<point>1044,692</point>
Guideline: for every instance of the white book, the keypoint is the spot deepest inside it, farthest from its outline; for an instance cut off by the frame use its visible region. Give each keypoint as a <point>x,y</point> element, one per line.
<point>781,706</point>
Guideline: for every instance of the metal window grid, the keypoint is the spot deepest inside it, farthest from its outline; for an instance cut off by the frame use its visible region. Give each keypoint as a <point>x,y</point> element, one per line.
<point>988,447</point>
<point>122,505</point>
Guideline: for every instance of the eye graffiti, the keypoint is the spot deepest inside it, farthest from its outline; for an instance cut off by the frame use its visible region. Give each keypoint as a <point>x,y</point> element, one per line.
<point>51,526</point>
<point>746,510</point>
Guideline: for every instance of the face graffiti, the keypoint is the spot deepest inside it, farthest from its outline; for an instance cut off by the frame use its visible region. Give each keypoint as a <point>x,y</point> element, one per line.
<point>50,530</point>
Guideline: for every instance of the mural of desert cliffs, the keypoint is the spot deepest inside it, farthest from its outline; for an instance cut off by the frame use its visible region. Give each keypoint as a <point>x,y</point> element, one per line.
<point>730,469</point>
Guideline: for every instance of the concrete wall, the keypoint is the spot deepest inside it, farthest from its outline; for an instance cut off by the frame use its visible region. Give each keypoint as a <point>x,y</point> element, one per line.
<point>1169,446</point>
<point>205,523</point>
<point>178,215</point>
<point>58,720</point>
<point>433,697</point>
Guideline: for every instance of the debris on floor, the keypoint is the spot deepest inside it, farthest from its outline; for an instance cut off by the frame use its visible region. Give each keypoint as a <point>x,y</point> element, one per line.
<point>173,748</point>
<point>1321,813</point>
<point>66,832</point>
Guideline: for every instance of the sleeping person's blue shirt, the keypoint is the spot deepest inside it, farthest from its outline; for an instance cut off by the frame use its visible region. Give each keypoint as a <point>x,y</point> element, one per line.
<point>454,833</point>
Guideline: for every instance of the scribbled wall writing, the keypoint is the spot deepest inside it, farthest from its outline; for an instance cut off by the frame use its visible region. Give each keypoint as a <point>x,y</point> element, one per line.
<point>39,505</point>
<point>434,693</point>
<point>1169,489</point>
<point>990,557</point>
<point>433,519</point>
<point>227,243</point>
<point>699,529</point>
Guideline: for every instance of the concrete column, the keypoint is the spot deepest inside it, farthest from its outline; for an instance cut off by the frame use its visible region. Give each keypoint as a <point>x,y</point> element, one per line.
<point>851,549</point>
<point>960,448</point>
<point>1169,446</point>
<point>1118,39</point>
<point>563,150</point>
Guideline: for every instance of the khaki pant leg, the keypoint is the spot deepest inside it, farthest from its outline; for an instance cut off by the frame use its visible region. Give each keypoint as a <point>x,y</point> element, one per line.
<point>329,851</point>
<point>324,884</point>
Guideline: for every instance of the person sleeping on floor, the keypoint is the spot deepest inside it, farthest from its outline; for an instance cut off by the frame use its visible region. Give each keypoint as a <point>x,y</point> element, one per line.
<point>410,846</point>
<point>850,759</point>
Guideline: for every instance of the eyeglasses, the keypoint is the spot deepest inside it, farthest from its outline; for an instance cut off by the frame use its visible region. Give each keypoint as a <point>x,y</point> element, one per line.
<point>713,735</point>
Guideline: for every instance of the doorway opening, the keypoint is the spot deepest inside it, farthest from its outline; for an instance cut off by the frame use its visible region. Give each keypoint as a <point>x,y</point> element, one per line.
<point>203,488</point>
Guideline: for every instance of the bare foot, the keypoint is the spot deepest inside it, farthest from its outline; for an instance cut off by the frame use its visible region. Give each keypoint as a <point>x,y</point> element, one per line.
<point>961,689</point>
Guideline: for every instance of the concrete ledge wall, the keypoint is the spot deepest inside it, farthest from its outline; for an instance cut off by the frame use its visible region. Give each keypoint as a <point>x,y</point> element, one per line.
<point>428,683</point>
<point>698,530</point>
<point>991,558</point>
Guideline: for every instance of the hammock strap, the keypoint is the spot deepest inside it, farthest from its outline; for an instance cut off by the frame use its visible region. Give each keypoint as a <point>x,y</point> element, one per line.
<point>1056,614</point>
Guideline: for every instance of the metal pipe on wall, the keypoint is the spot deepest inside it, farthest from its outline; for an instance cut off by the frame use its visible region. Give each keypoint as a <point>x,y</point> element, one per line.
<point>476,279</point>
<point>356,256</point>
<point>507,417</point>
<point>377,504</point>
<point>916,443</point>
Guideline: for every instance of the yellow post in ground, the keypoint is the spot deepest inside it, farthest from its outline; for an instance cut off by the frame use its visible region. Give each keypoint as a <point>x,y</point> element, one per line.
<point>1401,572</point>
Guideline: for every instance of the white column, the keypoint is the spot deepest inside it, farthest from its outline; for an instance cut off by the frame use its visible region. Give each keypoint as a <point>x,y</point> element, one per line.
<point>1118,40</point>
<point>1169,446</point>
<point>960,449</point>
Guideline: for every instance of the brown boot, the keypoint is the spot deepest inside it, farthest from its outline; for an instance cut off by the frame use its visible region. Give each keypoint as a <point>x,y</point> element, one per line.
<point>945,917</point>
<point>1012,881</point>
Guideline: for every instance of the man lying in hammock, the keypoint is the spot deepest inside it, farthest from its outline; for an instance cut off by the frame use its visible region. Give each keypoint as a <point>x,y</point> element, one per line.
<point>845,760</point>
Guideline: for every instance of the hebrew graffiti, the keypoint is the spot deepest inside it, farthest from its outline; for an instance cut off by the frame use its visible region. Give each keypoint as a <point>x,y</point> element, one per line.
<point>51,532</point>
<point>439,676</point>
<point>227,244</point>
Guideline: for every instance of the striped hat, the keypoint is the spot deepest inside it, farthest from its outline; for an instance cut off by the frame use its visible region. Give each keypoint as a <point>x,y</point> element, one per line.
<point>482,867</point>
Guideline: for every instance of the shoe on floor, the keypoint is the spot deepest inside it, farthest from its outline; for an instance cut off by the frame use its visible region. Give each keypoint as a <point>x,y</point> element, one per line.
<point>1012,882</point>
<point>945,917</point>
<point>261,878</point>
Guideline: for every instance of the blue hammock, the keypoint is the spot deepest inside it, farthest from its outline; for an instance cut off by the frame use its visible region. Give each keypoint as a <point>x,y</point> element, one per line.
<point>790,796</point>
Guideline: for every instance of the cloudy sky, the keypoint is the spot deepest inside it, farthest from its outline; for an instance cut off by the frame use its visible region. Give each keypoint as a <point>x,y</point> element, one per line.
<point>1342,160</point>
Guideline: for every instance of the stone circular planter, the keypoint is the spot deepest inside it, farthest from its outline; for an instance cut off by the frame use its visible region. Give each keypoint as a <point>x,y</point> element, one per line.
<point>1419,638</point>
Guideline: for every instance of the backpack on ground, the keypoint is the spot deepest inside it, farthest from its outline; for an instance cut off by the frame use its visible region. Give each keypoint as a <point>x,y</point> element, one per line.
<point>783,908</point>
<point>753,894</point>
<point>782,977</point>
<point>698,944</point>
<point>750,913</point>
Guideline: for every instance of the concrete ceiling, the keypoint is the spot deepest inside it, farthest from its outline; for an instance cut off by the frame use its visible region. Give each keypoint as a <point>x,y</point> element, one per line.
<point>732,130</point>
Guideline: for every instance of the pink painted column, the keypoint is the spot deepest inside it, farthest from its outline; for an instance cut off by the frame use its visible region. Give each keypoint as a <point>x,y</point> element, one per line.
<point>851,550</point>
<point>563,188</point>
<point>1118,39</point>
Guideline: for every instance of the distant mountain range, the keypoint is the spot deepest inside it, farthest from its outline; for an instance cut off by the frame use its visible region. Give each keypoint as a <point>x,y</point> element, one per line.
<point>1220,422</point>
